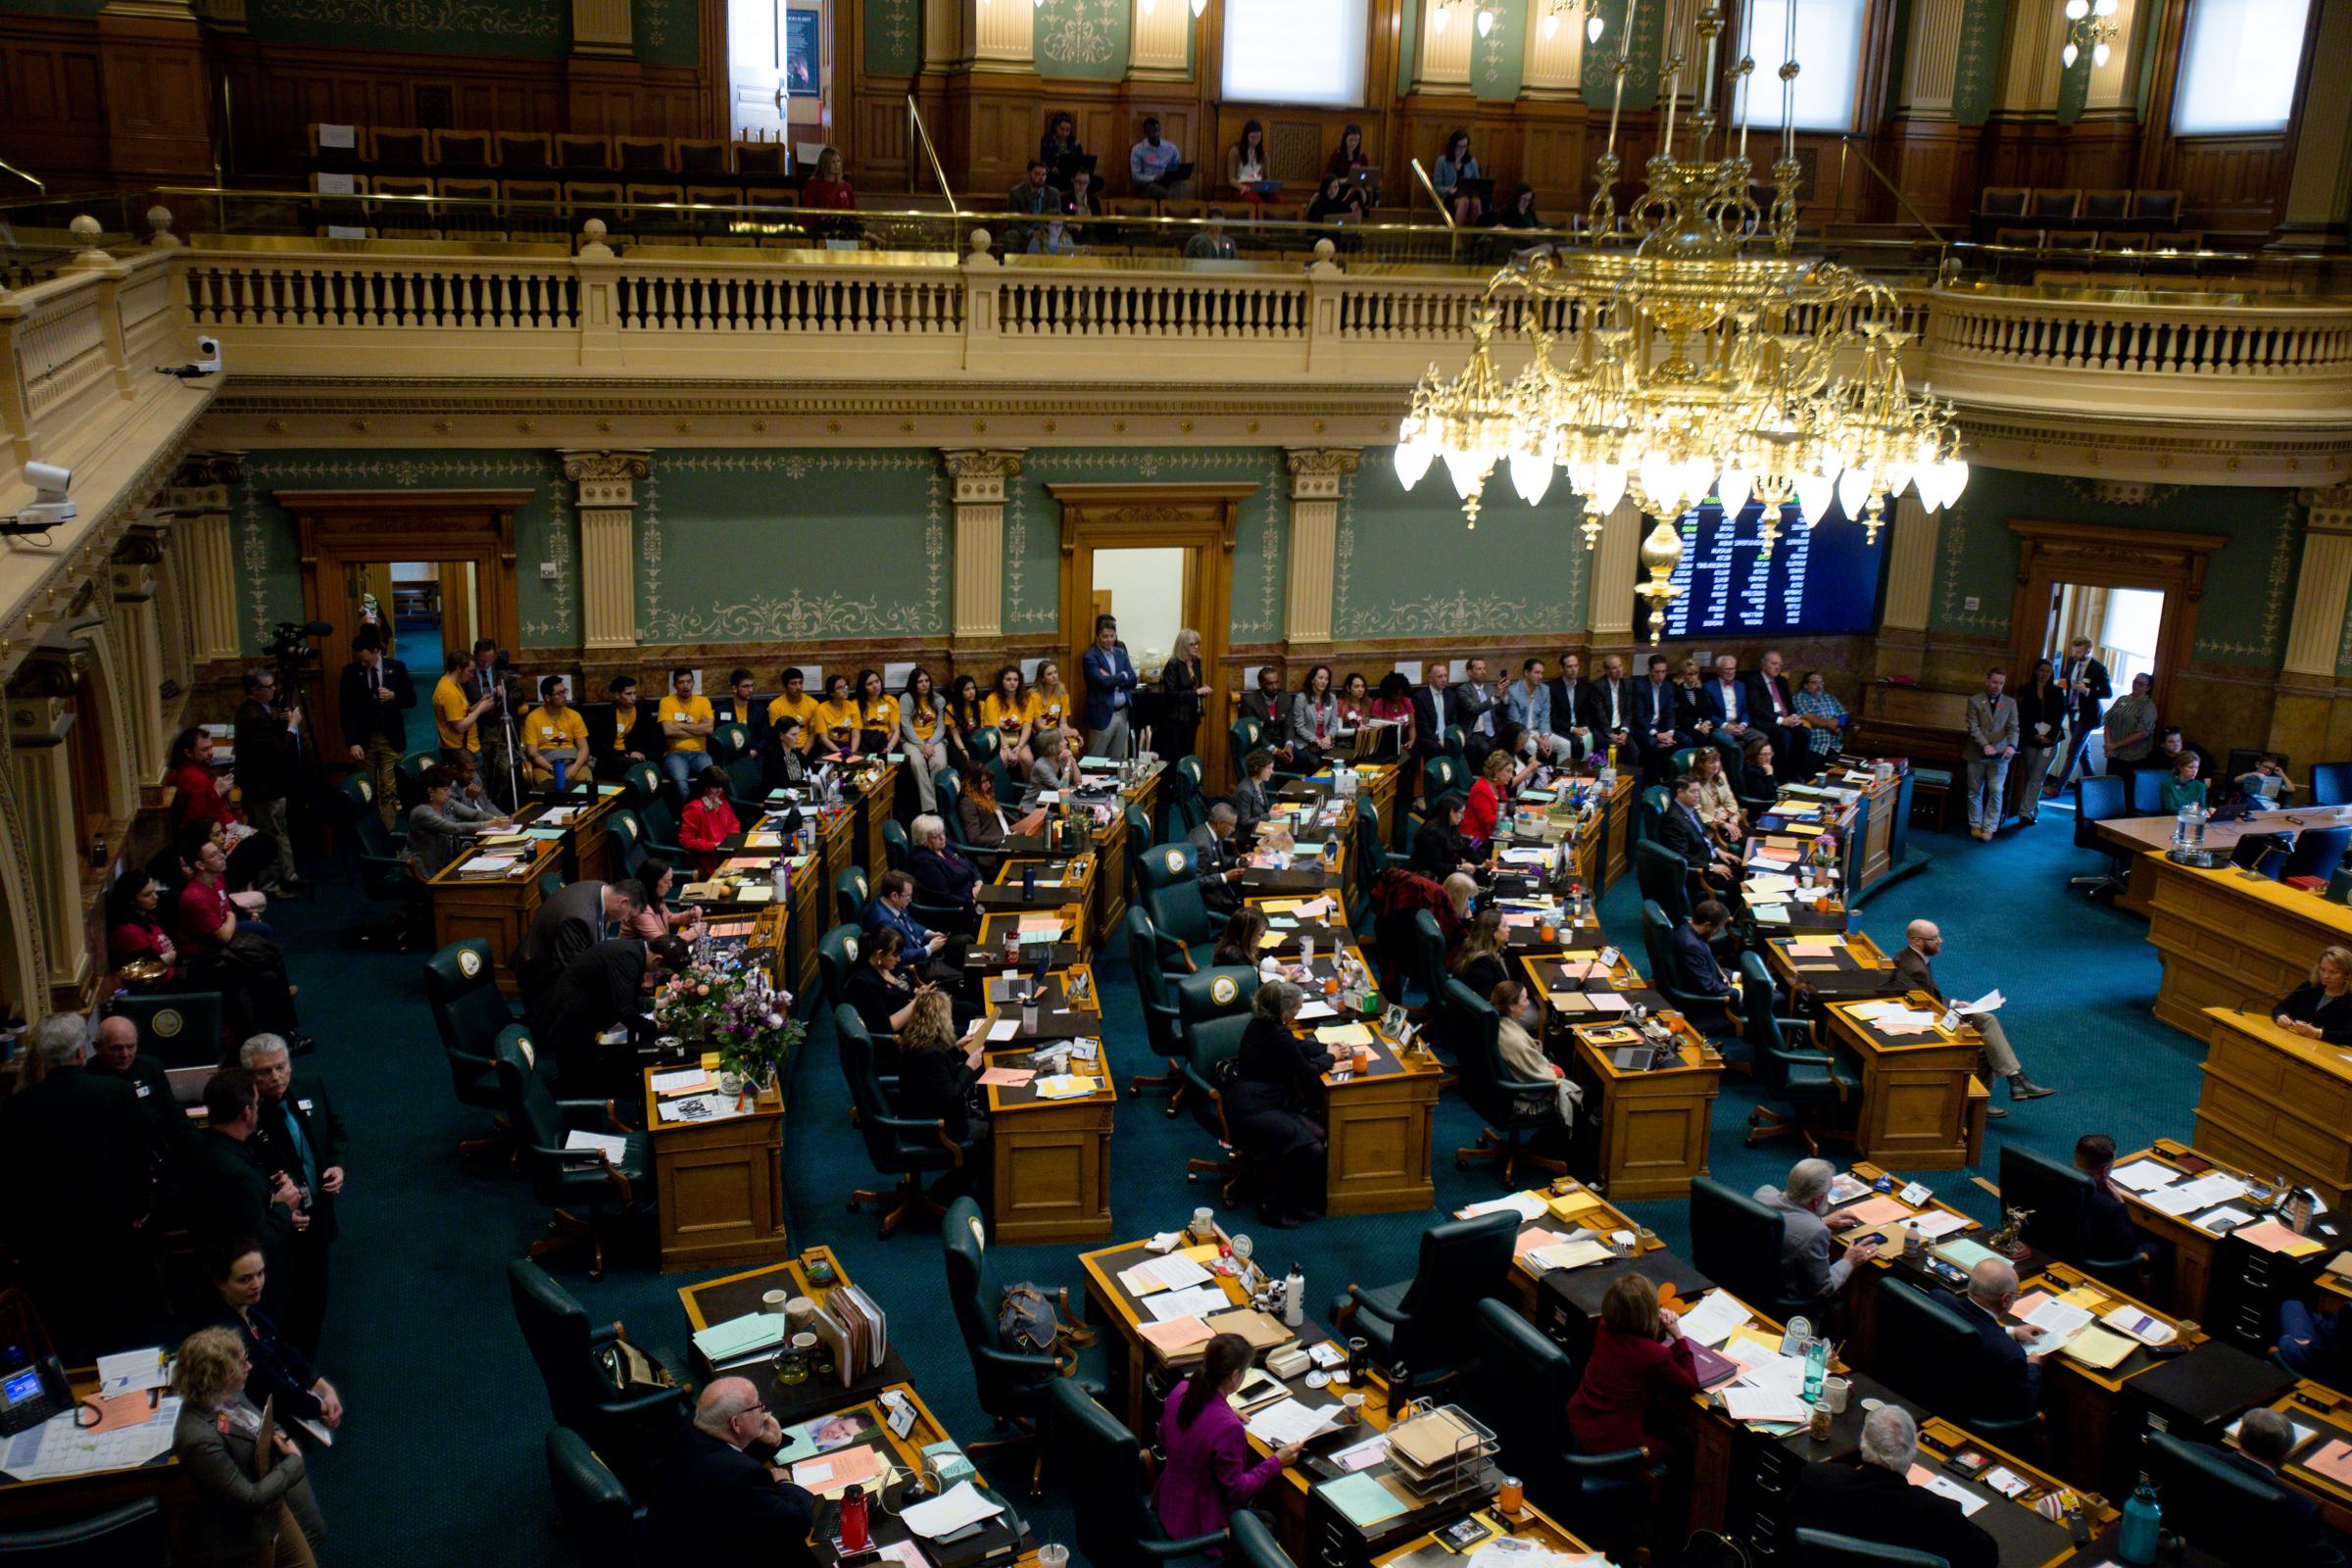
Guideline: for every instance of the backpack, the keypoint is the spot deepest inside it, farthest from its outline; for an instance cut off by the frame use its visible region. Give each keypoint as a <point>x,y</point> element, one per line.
<point>1027,1324</point>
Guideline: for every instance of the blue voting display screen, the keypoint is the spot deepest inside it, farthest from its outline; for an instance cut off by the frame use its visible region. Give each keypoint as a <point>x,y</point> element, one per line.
<point>1817,580</point>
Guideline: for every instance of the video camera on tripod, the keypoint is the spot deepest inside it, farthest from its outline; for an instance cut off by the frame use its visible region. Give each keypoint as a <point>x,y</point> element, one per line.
<point>290,648</point>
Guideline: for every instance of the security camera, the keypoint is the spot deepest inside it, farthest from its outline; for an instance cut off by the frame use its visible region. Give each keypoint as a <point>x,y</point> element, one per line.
<point>207,362</point>
<point>50,506</point>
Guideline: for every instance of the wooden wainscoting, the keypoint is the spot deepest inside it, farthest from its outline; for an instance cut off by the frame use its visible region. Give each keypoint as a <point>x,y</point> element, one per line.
<point>53,100</point>
<point>1932,162</point>
<point>2229,185</point>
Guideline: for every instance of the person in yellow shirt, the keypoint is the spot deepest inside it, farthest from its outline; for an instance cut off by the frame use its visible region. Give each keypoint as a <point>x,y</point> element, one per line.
<point>838,718</point>
<point>686,723</point>
<point>1010,708</point>
<point>922,736</point>
<point>877,716</point>
<point>1051,697</point>
<point>796,703</point>
<point>454,717</point>
<point>555,732</point>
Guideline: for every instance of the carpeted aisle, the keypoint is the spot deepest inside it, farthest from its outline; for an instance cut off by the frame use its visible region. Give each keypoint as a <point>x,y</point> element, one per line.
<point>443,1443</point>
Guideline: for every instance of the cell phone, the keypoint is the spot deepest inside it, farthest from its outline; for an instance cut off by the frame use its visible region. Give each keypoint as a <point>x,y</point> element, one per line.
<point>1462,1534</point>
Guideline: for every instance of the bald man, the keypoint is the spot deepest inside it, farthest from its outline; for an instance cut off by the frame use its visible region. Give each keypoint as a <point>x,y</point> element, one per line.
<point>2008,1375</point>
<point>714,1501</point>
<point>1915,964</point>
<point>115,1053</point>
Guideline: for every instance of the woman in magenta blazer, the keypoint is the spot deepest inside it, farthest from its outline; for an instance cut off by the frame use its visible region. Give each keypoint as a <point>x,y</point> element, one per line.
<point>1638,1356</point>
<point>1208,1472</point>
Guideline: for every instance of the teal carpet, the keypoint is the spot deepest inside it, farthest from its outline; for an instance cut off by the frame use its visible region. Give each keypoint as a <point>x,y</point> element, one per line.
<point>446,1415</point>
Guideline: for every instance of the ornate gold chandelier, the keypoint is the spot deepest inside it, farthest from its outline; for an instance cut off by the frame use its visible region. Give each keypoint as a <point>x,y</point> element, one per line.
<point>1690,364</point>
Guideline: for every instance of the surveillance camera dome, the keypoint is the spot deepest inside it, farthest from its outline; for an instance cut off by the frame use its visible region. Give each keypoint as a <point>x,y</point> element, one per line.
<point>49,481</point>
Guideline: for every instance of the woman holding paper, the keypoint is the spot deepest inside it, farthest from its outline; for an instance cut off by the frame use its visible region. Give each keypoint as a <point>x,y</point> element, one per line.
<point>939,1070</point>
<point>1208,1472</point>
<point>1639,1358</point>
<point>1270,1103</point>
<point>238,1518</point>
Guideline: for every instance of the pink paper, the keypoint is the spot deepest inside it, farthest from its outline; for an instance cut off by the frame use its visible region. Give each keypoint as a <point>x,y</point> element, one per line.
<point>1008,1077</point>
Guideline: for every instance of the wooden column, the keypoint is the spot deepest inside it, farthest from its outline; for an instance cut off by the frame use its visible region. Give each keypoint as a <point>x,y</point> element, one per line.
<point>1613,570</point>
<point>1315,476</point>
<point>1910,546</point>
<point>979,478</point>
<point>607,502</point>
<point>40,777</point>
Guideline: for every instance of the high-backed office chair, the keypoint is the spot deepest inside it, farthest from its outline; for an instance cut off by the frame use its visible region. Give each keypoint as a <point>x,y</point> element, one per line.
<point>2318,852</point>
<point>1428,964</point>
<point>593,1511</point>
<point>1212,1008</point>
<point>179,1028</point>
<point>624,840</point>
<point>836,954</point>
<point>2146,791</point>
<point>1664,878</point>
<point>1827,1549</point>
<point>1523,1382</point>
<point>851,890</point>
<point>1254,1543</point>
<point>2057,1198</point>
<point>1928,1353</point>
<point>1442,775</point>
<point>1786,1069</point>
<point>1512,1108</point>
<point>567,1178</point>
<point>1371,856</point>
<point>1172,898</point>
<point>644,783</point>
<point>1736,1241</point>
<point>1422,1330</point>
<point>1658,945</point>
<point>908,1148</point>
<point>407,775</point>
<point>578,1365</point>
<point>1103,1465</point>
<point>1187,806</point>
<point>1161,1026</point>
<point>660,822</point>
<point>2330,783</point>
<point>2212,1501</point>
<point>132,1532</point>
<point>2101,798</point>
<point>461,982</point>
<point>1012,1385</point>
<point>384,874</point>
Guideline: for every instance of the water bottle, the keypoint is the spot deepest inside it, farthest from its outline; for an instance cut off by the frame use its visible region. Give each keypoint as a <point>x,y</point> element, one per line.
<point>780,881</point>
<point>1817,1368</point>
<point>1294,1297</point>
<point>563,769</point>
<point>2142,1522</point>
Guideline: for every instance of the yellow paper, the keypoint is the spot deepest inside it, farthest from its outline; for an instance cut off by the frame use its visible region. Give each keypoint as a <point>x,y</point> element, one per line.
<point>2087,1297</point>
<point>1349,1035</point>
<point>1568,1206</point>
<point>1206,1252</point>
<point>2100,1347</point>
<point>1272,939</point>
<point>1273,906</point>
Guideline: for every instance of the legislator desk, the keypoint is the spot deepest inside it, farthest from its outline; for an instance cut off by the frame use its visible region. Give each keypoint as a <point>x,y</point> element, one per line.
<point>1922,1106</point>
<point>734,1296</point>
<point>1873,828</point>
<point>584,814</point>
<point>2199,1258</point>
<point>1039,883</point>
<point>2231,939</point>
<point>1110,836</point>
<point>1293,922</point>
<point>718,1182</point>
<point>1566,1208</point>
<point>1530,1524</point>
<point>499,908</point>
<point>63,1499</point>
<point>1140,1372</point>
<point>1846,965</point>
<point>2277,1103</point>
<point>872,792</point>
<point>2327,1413</point>
<point>1649,1127</point>
<point>988,953</point>
<point>1050,1159</point>
<point>2095,1427</point>
<point>1847,1196</point>
<point>2140,835</point>
<point>1379,1119</point>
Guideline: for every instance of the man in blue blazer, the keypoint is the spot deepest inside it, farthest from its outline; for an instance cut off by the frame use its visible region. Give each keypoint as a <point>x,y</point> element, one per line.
<point>715,1503</point>
<point>1109,691</point>
<point>1723,701</point>
<point>2008,1377</point>
<point>2296,1537</point>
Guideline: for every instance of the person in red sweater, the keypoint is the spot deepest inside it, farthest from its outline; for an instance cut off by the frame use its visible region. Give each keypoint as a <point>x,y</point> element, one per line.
<point>826,189</point>
<point>1639,1358</point>
<point>709,822</point>
<point>196,793</point>
<point>1491,795</point>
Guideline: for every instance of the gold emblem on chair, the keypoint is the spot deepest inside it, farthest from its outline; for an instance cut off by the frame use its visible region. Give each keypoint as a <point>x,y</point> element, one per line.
<point>166,1023</point>
<point>529,1051</point>
<point>1223,990</point>
<point>979,1232</point>
<point>470,964</point>
<point>849,944</point>
<point>1175,859</point>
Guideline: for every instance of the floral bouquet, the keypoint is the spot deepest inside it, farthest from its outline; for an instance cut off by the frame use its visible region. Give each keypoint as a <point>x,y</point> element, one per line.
<point>733,1009</point>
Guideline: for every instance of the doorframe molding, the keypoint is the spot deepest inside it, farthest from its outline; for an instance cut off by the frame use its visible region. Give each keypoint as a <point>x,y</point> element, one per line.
<point>2052,553</point>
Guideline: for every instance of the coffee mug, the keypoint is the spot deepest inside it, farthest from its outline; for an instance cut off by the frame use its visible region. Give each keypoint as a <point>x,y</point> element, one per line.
<point>1353,1405</point>
<point>775,1300</point>
<point>1512,1496</point>
<point>1834,1390</point>
<point>798,1311</point>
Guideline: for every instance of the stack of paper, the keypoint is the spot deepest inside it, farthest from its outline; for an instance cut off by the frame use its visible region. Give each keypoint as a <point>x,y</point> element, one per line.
<point>612,1146</point>
<point>1711,1322</point>
<point>1765,1406</point>
<point>1527,1205</point>
<point>739,1336</point>
<point>1287,1421</point>
<point>1577,1252</point>
<point>1197,1301</point>
<point>957,1508</point>
<point>2143,1175</point>
<point>1175,1272</point>
<point>1946,1487</point>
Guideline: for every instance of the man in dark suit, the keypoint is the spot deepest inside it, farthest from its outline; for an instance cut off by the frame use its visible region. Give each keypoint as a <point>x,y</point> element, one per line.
<point>2087,688</point>
<point>115,1053</point>
<point>1772,708</point>
<point>1432,709</point>
<point>739,706</point>
<point>715,1502</point>
<point>268,759</point>
<point>1219,867</point>
<point>300,1135</point>
<point>1698,972</point>
<point>74,1149</point>
<point>1914,962</point>
<point>580,916</point>
<point>2296,1537</point>
<point>1612,696</point>
<point>1723,701</point>
<point>1874,1500</point>
<point>1572,711</point>
<point>491,681</point>
<point>625,732</point>
<point>227,1191</point>
<point>1659,722</point>
<point>1270,705</point>
<point>2008,1377</point>
<point>1683,831</point>
<point>2107,1228</point>
<point>374,696</point>
<point>1477,705</point>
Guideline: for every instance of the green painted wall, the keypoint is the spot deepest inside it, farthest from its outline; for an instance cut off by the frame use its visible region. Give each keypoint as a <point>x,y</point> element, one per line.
<point>1409,566</point>
<point>269,576</point>
<point>1975,76</point>
<point>893,37</point>
<point>1086,39</point>
<point>1261,538</point>
<point>665,32</point>
<point>1497,62</point>
<point>739,546</point>
<point>532,29</point>
<point>2248,583</point>
<point>1641,65</point>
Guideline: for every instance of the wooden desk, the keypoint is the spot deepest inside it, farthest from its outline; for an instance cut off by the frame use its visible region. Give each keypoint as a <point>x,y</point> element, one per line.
<point>1064,883</point>
<point>719,1184</point>
<point>1050,1159</point>
<point>986,951</point>
<point>2329,1412</point>
<point>1862,1301</point>
<point>2026,1539</point>
<point>2140,835</point>
<point>1617,835</point>
<point>732,1296</point>
<point>835,850</point>
<point>1139,1375</point>
<point>2091,1432</point>
<point>64,1499</point>
<point>1530,1524</point>
<point>853,1421</point>
<point>2228,937</point>
<point>2193,1246</point>
<point>587,856</point>
<point>499,910</point>
<point>1377,1124</point>
<point>1856,968</point>
<point>1590,1215</point>
<point>1915,1089</point>
<point>1653,1126</point>
<point>873,792</point>
<point>2277,1102</point>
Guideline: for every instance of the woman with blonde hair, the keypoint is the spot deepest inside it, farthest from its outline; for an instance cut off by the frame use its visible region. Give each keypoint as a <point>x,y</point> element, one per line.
<point>237,1519</point>
<point>1051,697</point>
<point>1180,684</point>
<point>2321,1008</point>
<point>1054,770</point>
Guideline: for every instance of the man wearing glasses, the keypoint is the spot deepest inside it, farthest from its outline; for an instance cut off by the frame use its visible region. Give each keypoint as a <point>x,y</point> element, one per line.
<point>713,1497</point>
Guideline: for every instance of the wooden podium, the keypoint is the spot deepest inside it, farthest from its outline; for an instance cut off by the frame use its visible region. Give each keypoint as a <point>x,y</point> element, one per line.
<point>719,1185</point>
<point>2276,1104</point>
<point>1653,1126</point>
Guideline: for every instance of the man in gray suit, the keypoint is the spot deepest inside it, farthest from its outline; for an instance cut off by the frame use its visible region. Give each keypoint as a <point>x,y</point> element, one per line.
<point>1992,741</point>
<point>1477,708</point>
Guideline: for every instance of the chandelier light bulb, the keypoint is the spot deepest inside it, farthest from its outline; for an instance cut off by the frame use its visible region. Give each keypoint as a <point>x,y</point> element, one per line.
<point>2098,54</point>
<point>1437,23</point>
<point>1147,5</point>
<point>1486,21</point>
<point>1593,26</point>
<point>1199,7</point>
<point>1955,478</point>
<point>1853,490</point>
<point>2102,8</point>
<point>1412,462</point>
<point>1551,24</point>
<point>1733,491</point>
<point>1813,493</point>
<point>1531,475</point>
<point>1607,487</point>
<point>1468,474</point>
<point>2068,55</point>
<point>2077,10</point>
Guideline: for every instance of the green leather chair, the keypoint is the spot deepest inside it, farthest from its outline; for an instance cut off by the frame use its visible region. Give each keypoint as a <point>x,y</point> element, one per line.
<point>851,890</point>
<point>911,1149</point>
<point>1013,1387</point>
<point>408,771</point>
<point>2213,1503</point>
<point>1139,843</point>
<point>2057,1198</point>
<point>1664,878</point>
<point>1496,1093</point>
<point>1736,1241</point>
<point>1424,1330</point>
<point>575,1359</point>
<point>836,954</point>
<point>1683,759</point>
<point>1212,1008</point>
<point>384,873</point>
<point>1441,776</point>
<point>1787,1069</point>
<point>644,783</point>
<point>747,788</point>
<point>134,1531</point>
<point>460,983</point>
<point>1658,945</point>
<point>1110,1495</point>
<point>1928,1353</point>
<point>1254,1543</point>
<point>1372,857</point>
<point>1163,1029</point>
<point>1458,748</point>
<point>1188,935</point>
<point>177,1028</point>
<point>731,741</point>
<point>624,840</point>
<point>1187,806</point>
<point>895,848</point>
<point>660,828</point>
<point>594,1512</point>
<point>1523,1382</point>
<point>1827,1549</point>
<point>1428,968</point>
<point>563,1178</point>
